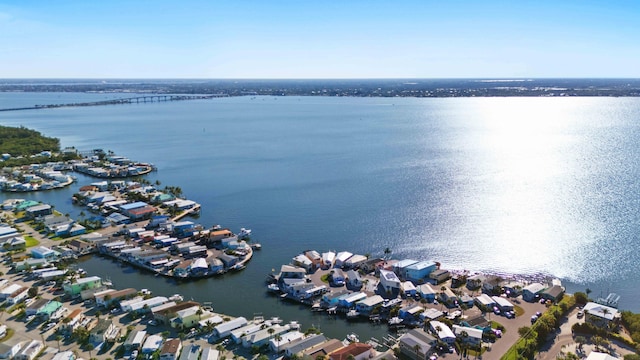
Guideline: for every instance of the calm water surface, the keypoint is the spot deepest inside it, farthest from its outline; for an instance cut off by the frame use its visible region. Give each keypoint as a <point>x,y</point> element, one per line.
<point>511,185</point>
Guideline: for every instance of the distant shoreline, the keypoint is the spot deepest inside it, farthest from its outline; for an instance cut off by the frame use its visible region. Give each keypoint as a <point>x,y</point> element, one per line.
<point>418,88</point>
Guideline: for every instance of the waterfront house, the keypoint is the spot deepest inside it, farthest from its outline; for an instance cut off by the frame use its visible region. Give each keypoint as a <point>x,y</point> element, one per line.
<point>442,332</point>
<point>225,329</point>
<point>209,353</point>
<point>355,351</point>
<point>513,288</point>
<point>341,258</point>
<point>250,328</point>
<point>426,292</point>
<point>416,344</point>
<point>419,272</point>
<point>30,351</point>
<point>502,303</point>
<point>218,235</point>
<point>353,279</point>
<point>553,293</point>
<point>229,261</point>
<point>291,272</point>
<point>467,300</point>
<point>411,311</point>
<point>469,335</point>
<point>600,315</point>
<point>400,268</point>
<point>153,343</point>
<point>215,265</point>
<point>99,333</point>
<point>186,318</point>
<point>263,336</point>
<point>74,288</point>
<point>108,297</point>
<point>164,314</point>
<point>143,306</point>
<point>439,275</point>
<point>371,265</point>
<point>333,298</point>
<point>390,282</point>
<point>409,289</point>
<point>532,291</point>
<point>182,269</point>
<point>295,342</point>
<point>354,261</point>
<point>135,340</point>
<point>315,257</point>
<point>367,305</point>
<point>492,284</point>
<point>328,258</point>
<point>474,281</point>
<point>190,352</point>
<point>351,300</point>
<point>24,205</point>
<point>302,261</point>
<point>42,252</point>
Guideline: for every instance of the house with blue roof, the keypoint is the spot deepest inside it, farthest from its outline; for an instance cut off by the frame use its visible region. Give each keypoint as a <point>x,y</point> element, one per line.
<point>400,268</point>
<point>419,272</point>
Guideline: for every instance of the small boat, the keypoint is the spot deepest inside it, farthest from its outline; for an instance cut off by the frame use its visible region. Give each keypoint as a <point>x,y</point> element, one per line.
<point>352,338</point>
<point>244,233</point>
<point>256,246</point>
<point>352,314</point>
<point>273,288</point>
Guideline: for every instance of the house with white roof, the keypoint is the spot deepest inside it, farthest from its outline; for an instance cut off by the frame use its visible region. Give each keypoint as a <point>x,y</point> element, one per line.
<point>443,332</point>
<point>427,292</point>
<point>367,305</point>
<point>530,291</point>
<point>469,335</point>
<point>225,329</point>
<point>389,281</point>
<point>341,258</point>
<point>400,268</point>
<point>416,344</point>
<point>600,315</point>
<point>419,272</point>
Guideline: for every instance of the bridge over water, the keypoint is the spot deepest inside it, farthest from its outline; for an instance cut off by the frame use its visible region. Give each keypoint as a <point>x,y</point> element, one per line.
<point>128,100</point>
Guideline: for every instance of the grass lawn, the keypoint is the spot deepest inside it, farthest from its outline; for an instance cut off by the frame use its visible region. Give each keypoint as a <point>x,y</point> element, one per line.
<point>518,310</point>
<point>31,241</point>
<point>325,278</point>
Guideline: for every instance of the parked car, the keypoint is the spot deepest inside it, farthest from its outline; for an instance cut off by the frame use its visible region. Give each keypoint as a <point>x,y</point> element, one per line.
<point>534,319</point>
<point>496,310</point>
<point>134,354</point>
<point>509,314</point>
<point>580,314</point>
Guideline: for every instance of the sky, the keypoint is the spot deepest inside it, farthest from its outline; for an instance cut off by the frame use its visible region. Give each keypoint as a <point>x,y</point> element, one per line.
<point>322,39</point>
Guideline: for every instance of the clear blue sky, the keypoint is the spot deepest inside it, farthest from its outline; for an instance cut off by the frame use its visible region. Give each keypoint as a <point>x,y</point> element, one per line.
<point>318,39</point>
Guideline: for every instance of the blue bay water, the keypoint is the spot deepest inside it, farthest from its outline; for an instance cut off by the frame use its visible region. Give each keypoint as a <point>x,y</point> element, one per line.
<point>510,185</point>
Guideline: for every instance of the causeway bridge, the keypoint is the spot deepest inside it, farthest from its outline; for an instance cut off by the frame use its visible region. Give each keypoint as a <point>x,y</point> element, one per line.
<point>120,101</point>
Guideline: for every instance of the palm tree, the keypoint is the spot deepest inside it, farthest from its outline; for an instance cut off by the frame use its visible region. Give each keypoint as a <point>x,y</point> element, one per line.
<point>580,340</point>
<point>387,253</point>
<point>278,338</point>
<point>89,348</point>
<point>58,338</point>
<point>199,313</point>
<point>587,291</point>
<point>270,331</point>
